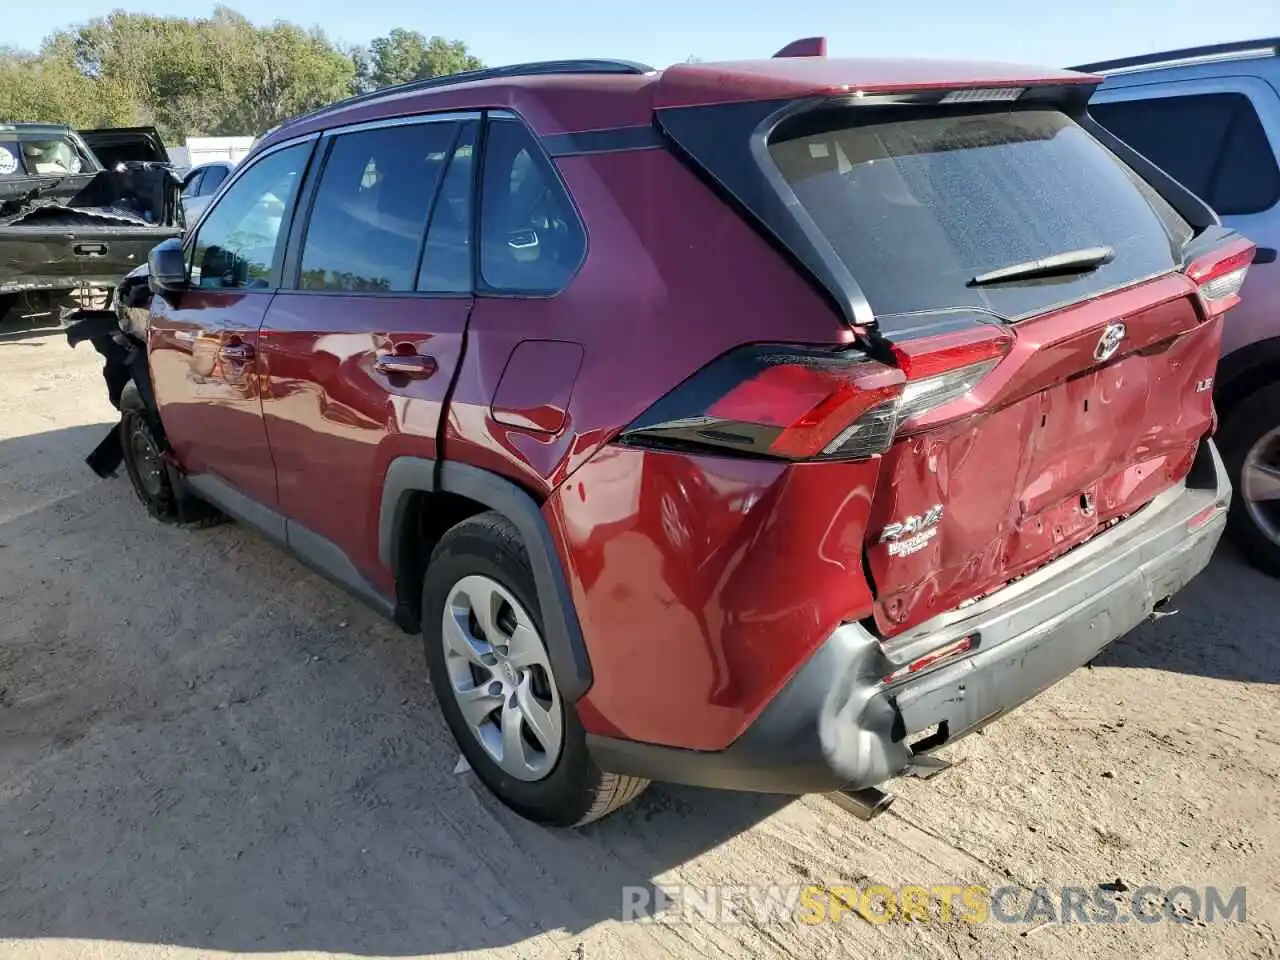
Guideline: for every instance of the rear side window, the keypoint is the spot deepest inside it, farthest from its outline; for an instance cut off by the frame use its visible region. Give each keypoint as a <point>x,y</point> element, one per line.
<point>41,157</point>
<point>531,240</point>
<point>917,203</point>
<point>370,212</point>
<point>1212,143</point>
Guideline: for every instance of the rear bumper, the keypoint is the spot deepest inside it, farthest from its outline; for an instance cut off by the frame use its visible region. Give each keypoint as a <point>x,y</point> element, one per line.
<point>837,724</point>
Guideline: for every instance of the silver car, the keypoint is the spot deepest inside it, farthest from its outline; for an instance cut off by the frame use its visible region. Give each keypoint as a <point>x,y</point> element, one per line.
<point>200,184</point>
<point>1210,117</point>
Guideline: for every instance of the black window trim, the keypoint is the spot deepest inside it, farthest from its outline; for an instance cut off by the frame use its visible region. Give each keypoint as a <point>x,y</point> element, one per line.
<point>278,261</point>
<point>482,289</point>
<point>306,201</point>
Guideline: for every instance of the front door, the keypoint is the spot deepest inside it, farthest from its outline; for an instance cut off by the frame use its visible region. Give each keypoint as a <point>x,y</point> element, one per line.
<point>204,343</point>
<point>360,346</point>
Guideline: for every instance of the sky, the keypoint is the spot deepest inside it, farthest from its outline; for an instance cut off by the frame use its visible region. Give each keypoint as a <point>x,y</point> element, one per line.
<point>660,32</point>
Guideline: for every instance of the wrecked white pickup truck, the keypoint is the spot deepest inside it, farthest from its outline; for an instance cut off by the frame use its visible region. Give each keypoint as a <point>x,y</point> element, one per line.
<point>70,225</point>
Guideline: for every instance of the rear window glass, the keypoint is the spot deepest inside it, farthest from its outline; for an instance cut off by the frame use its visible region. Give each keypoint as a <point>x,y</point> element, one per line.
<point>917,204</point>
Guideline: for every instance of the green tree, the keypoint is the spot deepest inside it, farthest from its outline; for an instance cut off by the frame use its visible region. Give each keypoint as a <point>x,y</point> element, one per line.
<point>50,87</point>
<point>205,76</point>
<point>404,55</point>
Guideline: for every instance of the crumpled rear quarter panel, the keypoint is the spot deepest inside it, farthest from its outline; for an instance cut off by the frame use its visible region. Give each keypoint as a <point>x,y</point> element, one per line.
<point>702,583</point>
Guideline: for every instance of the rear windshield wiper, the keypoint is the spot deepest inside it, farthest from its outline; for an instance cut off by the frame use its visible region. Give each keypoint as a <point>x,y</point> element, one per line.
<point>1072,261</point>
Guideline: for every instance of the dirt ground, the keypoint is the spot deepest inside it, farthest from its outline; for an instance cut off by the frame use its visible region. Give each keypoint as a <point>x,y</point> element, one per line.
<point>207,750</point>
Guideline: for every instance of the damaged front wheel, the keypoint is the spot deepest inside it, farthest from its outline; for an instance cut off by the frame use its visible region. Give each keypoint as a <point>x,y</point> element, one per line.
<point>155,480</point>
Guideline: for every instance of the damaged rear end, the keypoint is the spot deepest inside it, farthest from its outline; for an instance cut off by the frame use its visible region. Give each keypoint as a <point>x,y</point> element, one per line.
<point>1037,317</point>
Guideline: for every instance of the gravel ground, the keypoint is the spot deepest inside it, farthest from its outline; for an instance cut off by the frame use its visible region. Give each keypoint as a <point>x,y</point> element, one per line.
<point>205,749</point>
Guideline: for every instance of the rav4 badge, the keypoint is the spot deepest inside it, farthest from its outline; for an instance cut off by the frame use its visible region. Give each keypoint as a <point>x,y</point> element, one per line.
<point>912,533</point>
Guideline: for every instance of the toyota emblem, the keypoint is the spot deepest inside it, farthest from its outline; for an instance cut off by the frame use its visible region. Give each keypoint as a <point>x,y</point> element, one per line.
<point>1110,341</point>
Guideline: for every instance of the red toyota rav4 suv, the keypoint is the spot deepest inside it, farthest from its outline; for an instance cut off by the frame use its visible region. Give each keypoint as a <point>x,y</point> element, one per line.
<point>763,425</point>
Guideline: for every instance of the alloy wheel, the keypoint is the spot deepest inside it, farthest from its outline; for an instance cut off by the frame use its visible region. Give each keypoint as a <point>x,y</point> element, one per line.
<point>501,677</point>
<point>1260,484</point>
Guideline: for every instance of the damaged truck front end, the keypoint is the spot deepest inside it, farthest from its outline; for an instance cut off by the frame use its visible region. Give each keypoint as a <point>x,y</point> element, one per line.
<point>119,335</point>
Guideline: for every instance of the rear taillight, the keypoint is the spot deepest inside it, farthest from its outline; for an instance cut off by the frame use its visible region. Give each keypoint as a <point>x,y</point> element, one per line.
<point>1219,275</point>
<point>806,403</point>
<point>797,403</point>
<point>945,367</point>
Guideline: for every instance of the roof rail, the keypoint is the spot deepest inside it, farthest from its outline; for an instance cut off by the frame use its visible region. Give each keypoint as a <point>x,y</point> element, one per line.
<point>1237,50</point>
<point>537,69</point>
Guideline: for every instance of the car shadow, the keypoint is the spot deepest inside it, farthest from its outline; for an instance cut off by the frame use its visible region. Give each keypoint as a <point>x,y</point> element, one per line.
<point>203,744</point>
<point>1225,627</point>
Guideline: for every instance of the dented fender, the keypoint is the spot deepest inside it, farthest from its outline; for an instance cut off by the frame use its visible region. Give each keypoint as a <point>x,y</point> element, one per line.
<point>116,335</point>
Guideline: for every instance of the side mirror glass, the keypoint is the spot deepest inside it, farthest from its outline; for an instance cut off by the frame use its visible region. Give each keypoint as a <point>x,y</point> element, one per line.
<point>167,265</point>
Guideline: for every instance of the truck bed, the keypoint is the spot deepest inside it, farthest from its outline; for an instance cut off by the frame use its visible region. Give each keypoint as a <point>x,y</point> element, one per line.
<point>85,231</point>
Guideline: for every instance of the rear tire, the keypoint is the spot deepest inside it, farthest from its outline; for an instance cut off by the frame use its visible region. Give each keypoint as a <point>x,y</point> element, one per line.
<point>1250,441</point>
<point>155,480</point>
<point>496,668</point>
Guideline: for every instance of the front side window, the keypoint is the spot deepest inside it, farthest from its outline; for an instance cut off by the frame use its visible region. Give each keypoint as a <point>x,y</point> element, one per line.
<point>531,240</point>
<point>240,240</point>
<point>191,188</point>
<point>370,213</point>
<point>212,180</point>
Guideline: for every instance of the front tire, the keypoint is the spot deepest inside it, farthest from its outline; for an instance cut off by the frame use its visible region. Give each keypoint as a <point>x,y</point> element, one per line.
<point>1250,443</point>
<point>156,482</point>
<point>488,662</point>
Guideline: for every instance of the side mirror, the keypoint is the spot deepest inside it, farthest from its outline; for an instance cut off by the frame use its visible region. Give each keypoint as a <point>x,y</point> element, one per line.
<point>167,266</point>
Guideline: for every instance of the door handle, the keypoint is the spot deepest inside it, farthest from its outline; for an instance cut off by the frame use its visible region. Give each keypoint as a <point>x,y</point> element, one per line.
<point>237,352</point>
<point>413,365</point>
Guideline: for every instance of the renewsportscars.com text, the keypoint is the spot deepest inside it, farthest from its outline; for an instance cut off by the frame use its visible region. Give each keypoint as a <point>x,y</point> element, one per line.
<point>973,903</point>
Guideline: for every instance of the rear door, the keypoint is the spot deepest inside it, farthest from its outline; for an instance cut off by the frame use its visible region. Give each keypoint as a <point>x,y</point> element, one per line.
<point>1220,137</point>
<point>1041,406</point>
<point>360,351</point>
<point>204,349</point>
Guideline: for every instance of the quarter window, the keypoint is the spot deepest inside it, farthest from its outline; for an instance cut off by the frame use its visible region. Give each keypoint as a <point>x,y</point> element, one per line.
<point>370,212</point>
<point>240,240</point>
<point>531,240</point>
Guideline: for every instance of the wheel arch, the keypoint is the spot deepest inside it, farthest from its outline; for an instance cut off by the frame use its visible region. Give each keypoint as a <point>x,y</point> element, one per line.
<point>422,498</point>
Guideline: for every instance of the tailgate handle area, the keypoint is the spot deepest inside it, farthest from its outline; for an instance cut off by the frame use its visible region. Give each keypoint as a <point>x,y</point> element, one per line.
<point>90,249</point>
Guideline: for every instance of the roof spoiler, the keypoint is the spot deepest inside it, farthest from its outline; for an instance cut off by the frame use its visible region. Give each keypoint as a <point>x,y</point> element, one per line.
<point>808,47</point>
